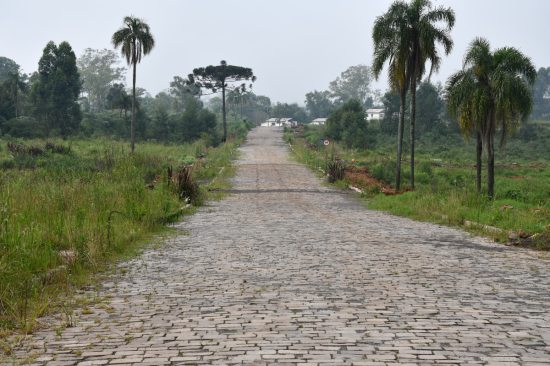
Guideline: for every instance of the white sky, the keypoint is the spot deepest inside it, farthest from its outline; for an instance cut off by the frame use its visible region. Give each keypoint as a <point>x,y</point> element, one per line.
<point>293,46</point>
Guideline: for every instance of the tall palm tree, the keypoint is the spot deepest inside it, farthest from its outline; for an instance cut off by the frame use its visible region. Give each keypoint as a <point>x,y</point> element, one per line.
<point>492,91</point>
<point>136,40</point>
<point>427,27</point>
<point>392,41</point>
<point>468,97</point>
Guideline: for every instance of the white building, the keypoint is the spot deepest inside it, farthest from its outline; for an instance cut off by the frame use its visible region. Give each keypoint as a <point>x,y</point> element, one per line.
<point>272,122</point>
<point>288,122</point>
<point>375,114</point>
<point>318,122</point>
<point>279,122</point>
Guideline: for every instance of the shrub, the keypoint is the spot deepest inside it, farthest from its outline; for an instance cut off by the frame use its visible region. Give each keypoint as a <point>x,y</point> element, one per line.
<point>423,178</point>
<point>335,170</point>
<point>426,168</point>
<point>26,127</point>
<point>20,149</point>
<point>58,149</point>
<point>185,186</point>
<point>384,171</point>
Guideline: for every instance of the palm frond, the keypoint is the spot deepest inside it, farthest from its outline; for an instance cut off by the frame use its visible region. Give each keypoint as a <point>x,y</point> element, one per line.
<point>134,38</point>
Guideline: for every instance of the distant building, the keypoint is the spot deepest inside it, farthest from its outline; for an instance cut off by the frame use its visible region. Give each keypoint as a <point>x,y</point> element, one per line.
<point>279,122</point>
<point>318,122</point>
<point>272,122</point>
<point>288,122</point>
<point>375,114</point>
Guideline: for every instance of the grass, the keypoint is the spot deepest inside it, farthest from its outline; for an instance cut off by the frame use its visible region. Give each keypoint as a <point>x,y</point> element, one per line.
<point>64,216</point>
<point>445,182</point>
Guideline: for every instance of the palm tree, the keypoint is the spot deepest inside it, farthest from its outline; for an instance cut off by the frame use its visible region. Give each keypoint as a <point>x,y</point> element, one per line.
<point>492,91</point>
<point>468,94</point>
<point>427,27</point>
<point>392,41</point>
<point>136,40</point>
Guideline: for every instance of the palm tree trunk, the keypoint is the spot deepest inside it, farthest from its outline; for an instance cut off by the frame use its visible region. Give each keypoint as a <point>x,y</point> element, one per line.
<point>400,129</point>
<point>133,123</point>
<point>479,151</point>
<point>490,171</point>
<point>490,166</point>
<point>223,113</point>
<point>411,131</point>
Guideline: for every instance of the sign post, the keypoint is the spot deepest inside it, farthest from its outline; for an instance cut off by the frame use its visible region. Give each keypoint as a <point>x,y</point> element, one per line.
<point>326,143</point>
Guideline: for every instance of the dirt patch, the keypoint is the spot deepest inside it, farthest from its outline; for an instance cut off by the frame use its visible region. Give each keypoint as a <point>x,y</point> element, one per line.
<point>361,178</point>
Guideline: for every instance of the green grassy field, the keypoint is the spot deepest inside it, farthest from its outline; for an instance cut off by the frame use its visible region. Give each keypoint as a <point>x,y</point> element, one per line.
<point>66,214</point>
<point>445,182</point>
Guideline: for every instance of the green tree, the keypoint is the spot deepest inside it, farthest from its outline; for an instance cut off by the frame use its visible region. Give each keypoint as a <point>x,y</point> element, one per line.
<point>12,89</point>
<point>135,40</point>
<point>427,27</point>
<point>117,98</point>
<point>142,122</point>
<point>25,127</point>
<point>258,108</point>
<point>319,104</point>
<point>492,92</point>
<point>7,67</point>
<point>163,127</point>
<point>541,94</point>
<point>285,110</point>
<point>391,37</point>
<point>347,124</point>
<point>221,77</point>
<point>196,120</point>
<point>183,93</point>
<point>56,91</point>
<point>237,99</point>
<point>390,123</point>
<point>354,83</point>
<point>214,104</point>
<point>99,70</point>
<point>430,109</point>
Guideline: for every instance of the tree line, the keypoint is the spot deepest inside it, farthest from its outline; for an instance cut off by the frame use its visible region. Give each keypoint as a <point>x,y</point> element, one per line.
<point>87,96</point>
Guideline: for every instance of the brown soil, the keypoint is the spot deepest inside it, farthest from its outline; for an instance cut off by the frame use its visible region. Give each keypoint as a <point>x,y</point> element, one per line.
<point>361,178</point>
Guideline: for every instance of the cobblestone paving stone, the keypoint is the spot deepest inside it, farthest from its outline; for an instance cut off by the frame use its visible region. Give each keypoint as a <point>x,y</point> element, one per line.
<point>287,271</point>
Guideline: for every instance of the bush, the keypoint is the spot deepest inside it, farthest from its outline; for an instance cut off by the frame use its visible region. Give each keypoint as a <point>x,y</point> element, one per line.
<point>185,186</point>
<point>20,150</point>
<point>513,194</point>
<point>423,178</point>
<point>384,171</point>
<point>57,149</point>
<point>24,127</point>
<point>335,170</point>
<point>426,168</point>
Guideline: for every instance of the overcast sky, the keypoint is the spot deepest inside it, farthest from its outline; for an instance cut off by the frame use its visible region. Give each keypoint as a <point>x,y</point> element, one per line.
<point>293,46</point>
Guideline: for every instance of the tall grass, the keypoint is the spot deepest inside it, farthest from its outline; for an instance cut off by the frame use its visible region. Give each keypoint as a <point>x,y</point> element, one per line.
<point>62,216</point>
<point>445,190</point>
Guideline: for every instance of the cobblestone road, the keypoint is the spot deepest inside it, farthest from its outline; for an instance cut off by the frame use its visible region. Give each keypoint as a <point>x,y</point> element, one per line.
<point>288,271</point>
